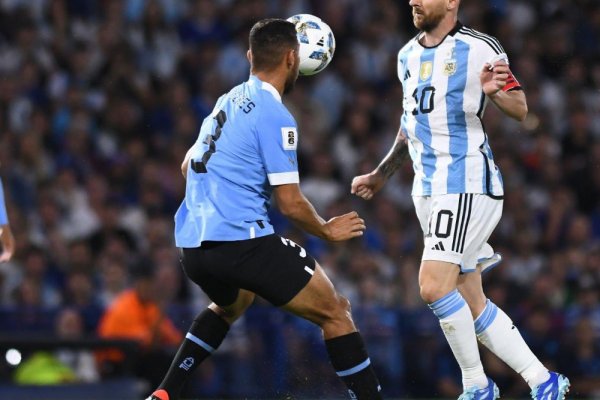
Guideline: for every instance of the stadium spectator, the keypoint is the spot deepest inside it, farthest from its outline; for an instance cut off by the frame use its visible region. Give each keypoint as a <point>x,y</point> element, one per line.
<point>136,314</point>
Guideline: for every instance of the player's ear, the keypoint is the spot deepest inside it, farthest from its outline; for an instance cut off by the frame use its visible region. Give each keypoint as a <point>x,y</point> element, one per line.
<point>249,56</point>
<point>452,4</point>
<point>290,58</point>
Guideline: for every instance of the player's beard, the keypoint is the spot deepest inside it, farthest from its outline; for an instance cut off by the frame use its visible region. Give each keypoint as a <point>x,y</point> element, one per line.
<point>290,82</point>
<point>429,21</point>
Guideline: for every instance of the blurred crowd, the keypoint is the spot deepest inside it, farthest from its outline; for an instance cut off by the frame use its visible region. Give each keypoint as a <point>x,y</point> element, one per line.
<point>100,100</point>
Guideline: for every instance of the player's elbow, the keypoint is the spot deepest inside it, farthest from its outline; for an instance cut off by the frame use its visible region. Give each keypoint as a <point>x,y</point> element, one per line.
<point>288,207</point>
<point>184,167</point>
<point>521,113</point>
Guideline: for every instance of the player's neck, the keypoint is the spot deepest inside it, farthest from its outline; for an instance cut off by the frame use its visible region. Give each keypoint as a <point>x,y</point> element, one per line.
<point>436,35</point>
<point>272,77</point>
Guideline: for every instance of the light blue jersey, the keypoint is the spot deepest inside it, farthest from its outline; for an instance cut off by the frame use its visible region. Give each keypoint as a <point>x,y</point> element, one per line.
<point>3,214</point>
<point>443,106</point>
<point>246,146</point>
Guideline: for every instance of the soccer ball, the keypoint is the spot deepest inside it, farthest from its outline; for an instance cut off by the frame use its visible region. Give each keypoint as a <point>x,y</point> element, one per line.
<point>317,43</point>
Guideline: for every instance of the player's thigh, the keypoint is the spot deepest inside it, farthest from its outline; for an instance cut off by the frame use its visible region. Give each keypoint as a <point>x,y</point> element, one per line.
<point>458,227</point>
<point>485,213</point>
<point>318,301</point>
<point>198,264</point>
<point>276,269</point>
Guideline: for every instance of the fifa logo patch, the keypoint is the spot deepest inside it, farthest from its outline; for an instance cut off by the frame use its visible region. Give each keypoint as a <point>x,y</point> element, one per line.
<point>289,138</point>
<point>450,64</point>
<point>187,363</point>
<point>426,70</point>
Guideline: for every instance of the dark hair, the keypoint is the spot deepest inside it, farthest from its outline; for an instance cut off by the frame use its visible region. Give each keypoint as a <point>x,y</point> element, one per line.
<point>269,40</point>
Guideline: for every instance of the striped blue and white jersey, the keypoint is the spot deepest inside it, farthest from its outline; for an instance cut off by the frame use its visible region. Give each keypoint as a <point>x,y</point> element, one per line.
<point>443,106</point>
<point>245,148</point>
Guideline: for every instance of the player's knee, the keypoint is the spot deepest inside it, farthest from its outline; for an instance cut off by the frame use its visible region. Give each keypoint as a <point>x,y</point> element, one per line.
<point>430,292</point>
<point>338,311</point>
<point>345,306</point>
<point>233,312</point>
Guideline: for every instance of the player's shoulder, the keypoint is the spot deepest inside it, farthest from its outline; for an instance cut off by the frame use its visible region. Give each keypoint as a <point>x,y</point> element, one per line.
<point>479,39</point>
<point>270,110</point>
<point>408,47</point>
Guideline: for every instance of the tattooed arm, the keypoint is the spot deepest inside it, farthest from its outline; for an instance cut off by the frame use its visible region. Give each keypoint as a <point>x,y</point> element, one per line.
<point>367,185</point>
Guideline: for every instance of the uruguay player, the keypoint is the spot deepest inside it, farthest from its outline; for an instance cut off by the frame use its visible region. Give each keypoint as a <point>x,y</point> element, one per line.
<point>246,152</point>
<point>448,73</point>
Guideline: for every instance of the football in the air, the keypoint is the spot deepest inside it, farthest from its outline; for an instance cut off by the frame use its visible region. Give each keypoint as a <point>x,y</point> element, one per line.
<point>317,43</point>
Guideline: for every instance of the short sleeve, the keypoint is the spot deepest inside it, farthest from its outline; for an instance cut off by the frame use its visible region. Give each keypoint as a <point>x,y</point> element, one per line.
<point>494,52</point>
<point>3,214</point>
<point>278,141</point>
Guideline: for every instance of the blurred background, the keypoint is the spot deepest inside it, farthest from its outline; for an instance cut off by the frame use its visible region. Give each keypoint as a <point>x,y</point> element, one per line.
<point>100,100</point>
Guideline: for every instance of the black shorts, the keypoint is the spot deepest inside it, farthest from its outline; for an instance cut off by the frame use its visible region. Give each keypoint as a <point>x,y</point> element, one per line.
<point>272,267</point>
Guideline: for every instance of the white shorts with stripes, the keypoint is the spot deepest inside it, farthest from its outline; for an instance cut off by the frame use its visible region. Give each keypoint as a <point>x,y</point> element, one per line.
<point>456,227</point>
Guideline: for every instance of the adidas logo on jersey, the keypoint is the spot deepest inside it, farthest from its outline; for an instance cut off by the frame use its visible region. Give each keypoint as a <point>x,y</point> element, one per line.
<point>439,246</point>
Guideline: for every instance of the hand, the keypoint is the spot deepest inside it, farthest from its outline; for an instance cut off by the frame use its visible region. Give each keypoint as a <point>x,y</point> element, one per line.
<point>8,243</point>
<point>366,186</point>
<point>493,79</point>
<point>344,227</point>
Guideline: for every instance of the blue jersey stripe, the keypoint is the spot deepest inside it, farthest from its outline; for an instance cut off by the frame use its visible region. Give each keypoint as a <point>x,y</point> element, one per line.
<point>422,129</point>
<point>457,123</point>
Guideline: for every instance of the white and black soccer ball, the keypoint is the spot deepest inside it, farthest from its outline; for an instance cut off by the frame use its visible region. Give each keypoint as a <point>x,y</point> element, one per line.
<point>317,43</point>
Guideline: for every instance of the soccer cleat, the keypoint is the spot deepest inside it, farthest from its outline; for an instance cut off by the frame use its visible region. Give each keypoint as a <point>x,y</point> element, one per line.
<point>491,392</point>
<point>159,394</point>
<point>555,388</point>
<point>487,264</point>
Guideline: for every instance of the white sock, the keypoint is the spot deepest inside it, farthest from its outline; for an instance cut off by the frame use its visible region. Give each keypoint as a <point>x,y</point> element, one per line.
<point>457,323</point>
<point>495,330</point>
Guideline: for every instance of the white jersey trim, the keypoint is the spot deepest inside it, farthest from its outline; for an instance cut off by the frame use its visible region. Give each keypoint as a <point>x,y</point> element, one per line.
<point>282,178</point>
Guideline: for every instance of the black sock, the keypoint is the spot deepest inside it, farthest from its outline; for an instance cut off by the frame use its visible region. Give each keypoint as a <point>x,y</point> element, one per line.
<point>206,334</point>
<point>352,364</point>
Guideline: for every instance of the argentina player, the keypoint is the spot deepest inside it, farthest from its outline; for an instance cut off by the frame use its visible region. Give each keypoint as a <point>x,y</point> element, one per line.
<point>246,152</point>
<point>449,72</point>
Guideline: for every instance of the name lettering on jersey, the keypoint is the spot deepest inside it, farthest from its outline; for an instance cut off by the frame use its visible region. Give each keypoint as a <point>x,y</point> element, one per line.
<point>289,137</point>
<point>450,64</point>
<point>239,99</point>
<point>426,70</point>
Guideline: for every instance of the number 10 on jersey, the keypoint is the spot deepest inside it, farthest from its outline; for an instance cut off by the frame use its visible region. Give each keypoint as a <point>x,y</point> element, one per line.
<point>424,100</point>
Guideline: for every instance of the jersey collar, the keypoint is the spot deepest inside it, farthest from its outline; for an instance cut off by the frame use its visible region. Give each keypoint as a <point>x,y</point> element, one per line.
<point>451,33</point>
<point>254,80</point>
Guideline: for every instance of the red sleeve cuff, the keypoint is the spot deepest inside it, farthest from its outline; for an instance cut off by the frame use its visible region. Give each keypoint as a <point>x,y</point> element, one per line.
<point>511,83</point>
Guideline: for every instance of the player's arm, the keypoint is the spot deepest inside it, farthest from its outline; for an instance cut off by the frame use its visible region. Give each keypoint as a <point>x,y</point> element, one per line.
<point>8,243</point>
<point>186,162</point>
<point>367,185</point>
<point>300,211</point>
<point>7,240</point>
<point>502,88</point>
